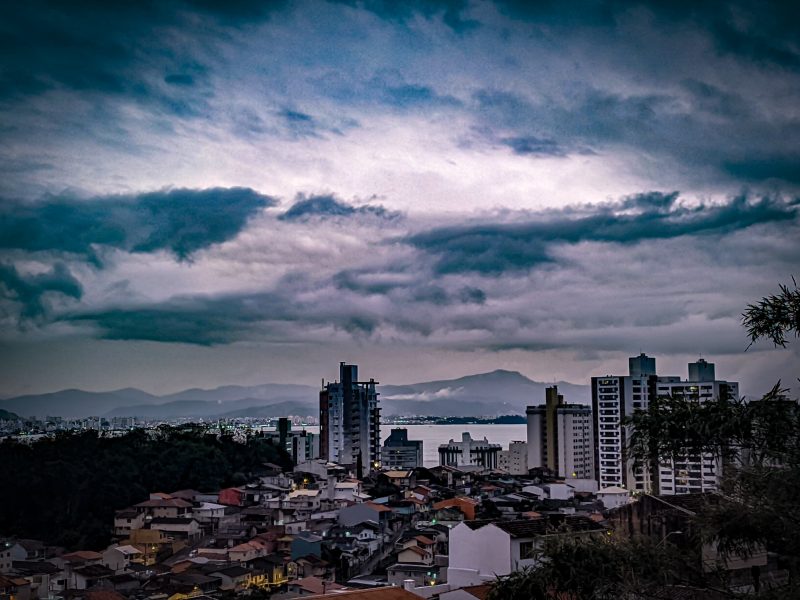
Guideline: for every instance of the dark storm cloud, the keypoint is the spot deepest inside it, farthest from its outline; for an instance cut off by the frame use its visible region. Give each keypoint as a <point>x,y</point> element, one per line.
<point>99,46</point>
<point>763,32</point>
<point>179,220</point>
<point>209,320</point>
<point>502,247</point>
<point>28,290</point>
<point>404,285</point>
<point>713,129</point>
<point>309,207</point>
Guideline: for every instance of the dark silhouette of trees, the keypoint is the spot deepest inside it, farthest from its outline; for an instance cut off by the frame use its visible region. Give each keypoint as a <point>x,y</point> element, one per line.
<point>774,317</point>
<point>64,490</point>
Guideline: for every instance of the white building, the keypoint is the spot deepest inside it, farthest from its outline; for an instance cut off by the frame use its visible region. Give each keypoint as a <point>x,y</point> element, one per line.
<point>613,497</point>
<point>469,452</point>
<point>615,397</point>
<point>480,552</point>
<point>514,460</point>
<point>560,437</point>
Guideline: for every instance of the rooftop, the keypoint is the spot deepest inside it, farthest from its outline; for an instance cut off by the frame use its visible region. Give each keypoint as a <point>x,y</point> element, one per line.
<point>382,593</point>
<point>524,528</point>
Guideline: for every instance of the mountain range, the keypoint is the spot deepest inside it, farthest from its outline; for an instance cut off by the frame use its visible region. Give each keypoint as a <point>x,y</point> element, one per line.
<point>486,394</point>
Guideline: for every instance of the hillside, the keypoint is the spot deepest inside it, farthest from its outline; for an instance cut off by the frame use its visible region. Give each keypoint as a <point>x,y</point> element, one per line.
<point>486,394</point>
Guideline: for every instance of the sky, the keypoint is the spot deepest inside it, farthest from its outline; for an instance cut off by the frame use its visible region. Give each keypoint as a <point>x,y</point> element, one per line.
<point>197,193</point>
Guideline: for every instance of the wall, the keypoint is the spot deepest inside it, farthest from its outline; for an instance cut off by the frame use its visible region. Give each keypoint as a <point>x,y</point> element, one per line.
<point>478,555</point>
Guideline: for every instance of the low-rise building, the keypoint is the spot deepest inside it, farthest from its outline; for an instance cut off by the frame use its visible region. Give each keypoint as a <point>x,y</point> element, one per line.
<point>482,550</point>
<point>469,453</point>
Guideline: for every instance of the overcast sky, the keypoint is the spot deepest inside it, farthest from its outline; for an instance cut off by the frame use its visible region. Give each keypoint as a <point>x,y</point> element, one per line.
<point>198,195</point>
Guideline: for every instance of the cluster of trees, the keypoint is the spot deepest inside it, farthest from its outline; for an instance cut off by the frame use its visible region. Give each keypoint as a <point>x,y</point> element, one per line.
<point>64,490</point>
<point>7,416</point>
<point>759,444</point>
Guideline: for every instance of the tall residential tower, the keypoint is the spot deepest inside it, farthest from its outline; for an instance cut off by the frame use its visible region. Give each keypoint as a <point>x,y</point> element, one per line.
<point>349,418</point>
<point>615,397</point>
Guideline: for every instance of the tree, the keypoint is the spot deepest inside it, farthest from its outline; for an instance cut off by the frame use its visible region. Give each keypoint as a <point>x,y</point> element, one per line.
<point>774,316</point>
<point>599,568</point>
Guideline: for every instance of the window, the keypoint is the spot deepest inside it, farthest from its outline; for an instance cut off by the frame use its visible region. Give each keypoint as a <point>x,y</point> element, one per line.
<point>526,550</point>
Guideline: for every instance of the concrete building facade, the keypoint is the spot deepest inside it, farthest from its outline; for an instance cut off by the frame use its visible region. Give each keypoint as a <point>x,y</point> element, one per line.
<point>469,452</point>
<point>401,453</point>
<point>349,418</point>
<point>560,437</point>
<point>615,397</point>
<point>514,460</point>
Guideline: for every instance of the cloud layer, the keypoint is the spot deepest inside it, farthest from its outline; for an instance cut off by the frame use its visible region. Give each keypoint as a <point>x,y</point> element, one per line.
<point>434,183</point>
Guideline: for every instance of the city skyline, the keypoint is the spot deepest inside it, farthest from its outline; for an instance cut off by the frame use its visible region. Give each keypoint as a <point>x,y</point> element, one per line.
<point>196,196</point>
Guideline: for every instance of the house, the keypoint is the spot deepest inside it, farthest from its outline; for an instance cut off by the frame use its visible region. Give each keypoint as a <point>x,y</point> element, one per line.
<point>346,490</point>
<point>402,479</point>
<point>233,579</point>
<point>88,576</point>
<point>75,560</point>
<point>14,588</point>
<point>152,542</point>
<point>482,550</point>
<point>126,520</point>
<point>303,499</point>
<point>313,566</point>
<point>613,497</point>
<point>414,555</point>
<point>466,506</point>
<point>365,511</point>
<point>41,574</point>
<point>118,558</point>
<point>306,543</point>
<point>168,508</point>
<point>421,574</point>
<point>26,549</point>
<point>268,571</point>
<point>232,497</point>
<point>209,514</point>
<point>178,528</point>
<point>310,586</point>
<point>248,550</point>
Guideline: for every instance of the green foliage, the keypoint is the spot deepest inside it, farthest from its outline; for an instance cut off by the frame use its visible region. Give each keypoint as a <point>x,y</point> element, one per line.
<point>64,490</point>
<point>756,432</point>
<point>774,316</point>
<point>598,568</point>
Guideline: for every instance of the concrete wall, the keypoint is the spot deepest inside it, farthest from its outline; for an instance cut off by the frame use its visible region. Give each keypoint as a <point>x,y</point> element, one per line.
<point>476,556</point>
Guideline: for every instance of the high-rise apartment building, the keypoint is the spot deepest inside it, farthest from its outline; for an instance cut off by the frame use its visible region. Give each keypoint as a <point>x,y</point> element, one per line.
<point>349,418</point>
<point>514,461</point>
<point>560,437</point>
<point>401,453</point>
<point>615,397</point>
